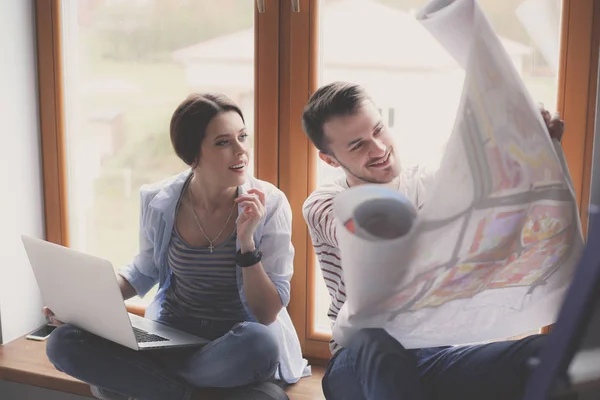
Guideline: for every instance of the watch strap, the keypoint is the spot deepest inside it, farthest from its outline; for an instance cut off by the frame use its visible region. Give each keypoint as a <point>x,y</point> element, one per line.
<point>248,259</point>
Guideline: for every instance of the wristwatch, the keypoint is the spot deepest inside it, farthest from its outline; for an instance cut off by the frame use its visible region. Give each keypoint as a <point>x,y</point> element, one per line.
<point>248,259</point>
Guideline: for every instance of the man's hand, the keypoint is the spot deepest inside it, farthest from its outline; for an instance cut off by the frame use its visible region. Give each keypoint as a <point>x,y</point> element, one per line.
<point>555,125</point>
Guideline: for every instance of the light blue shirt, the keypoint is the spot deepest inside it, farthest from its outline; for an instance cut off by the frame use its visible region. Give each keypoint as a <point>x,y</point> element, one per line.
<point>272,236</point>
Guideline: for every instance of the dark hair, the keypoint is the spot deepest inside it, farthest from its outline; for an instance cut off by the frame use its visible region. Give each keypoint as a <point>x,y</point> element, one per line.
<point>190,119</point>
<point>332,100</point>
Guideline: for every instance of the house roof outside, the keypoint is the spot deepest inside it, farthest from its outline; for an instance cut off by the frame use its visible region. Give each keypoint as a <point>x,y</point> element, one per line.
<point>356,33</point>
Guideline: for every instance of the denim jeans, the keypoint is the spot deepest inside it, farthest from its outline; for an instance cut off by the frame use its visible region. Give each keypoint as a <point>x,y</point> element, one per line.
<point>377,367</point>
<point>238,355</point>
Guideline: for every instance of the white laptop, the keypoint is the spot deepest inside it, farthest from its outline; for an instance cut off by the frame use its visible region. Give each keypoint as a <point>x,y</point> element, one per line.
<point>82,290</point>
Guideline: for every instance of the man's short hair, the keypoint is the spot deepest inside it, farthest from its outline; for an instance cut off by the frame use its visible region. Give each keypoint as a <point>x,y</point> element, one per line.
<point>332,100</point>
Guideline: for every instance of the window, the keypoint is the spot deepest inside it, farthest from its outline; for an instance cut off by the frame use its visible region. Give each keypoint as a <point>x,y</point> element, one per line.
<point>406,71</point>
<point>111,72</point>
<point>127,66</point>
<point>410,72</point>
<point>124,67</point>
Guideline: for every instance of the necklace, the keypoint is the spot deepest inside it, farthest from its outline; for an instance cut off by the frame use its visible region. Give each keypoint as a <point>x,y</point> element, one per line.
<point>211,247</point>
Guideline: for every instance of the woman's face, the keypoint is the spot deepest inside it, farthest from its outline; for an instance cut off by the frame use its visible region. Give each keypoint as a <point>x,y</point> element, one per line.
<point>224,157</point>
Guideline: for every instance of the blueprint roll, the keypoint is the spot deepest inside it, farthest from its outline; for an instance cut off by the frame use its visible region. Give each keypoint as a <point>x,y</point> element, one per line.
<point>494,247</point>
<point>382,218</point>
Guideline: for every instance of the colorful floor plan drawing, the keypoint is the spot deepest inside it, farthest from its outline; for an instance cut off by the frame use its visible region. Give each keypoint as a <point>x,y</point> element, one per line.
<point>492,251</point>
<point>506,173</point>
<point>432,257</point>
<point>492,264</point>
<point>534,263</point>
<point>408,295</point>
<point>495,234</point>
<point>516,160</point>
<point>461,281</point>
<point>546,220</point>
<point>512,170</point>
<point>540,165</point>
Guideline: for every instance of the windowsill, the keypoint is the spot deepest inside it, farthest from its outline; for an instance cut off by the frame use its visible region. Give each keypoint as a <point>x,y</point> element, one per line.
<point>24,361</point>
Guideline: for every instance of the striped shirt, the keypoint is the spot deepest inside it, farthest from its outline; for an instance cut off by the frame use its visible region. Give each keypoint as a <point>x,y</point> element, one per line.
<point>158,205</point>
<point>319,216</point>
<point>203,284</point>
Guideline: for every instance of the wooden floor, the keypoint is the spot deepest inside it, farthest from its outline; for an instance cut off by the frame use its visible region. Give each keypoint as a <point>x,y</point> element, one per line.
<point>24,361</point>
<point>308,388</point>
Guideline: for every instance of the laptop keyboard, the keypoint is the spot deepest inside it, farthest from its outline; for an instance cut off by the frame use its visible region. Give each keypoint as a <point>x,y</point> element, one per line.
<point>145,337</point>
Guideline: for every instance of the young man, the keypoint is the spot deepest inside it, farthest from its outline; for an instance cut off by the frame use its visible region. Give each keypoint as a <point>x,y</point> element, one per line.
<point>344,124</point>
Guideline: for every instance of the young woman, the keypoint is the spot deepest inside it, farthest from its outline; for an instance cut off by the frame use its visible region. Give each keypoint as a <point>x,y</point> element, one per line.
<point>218,243</point>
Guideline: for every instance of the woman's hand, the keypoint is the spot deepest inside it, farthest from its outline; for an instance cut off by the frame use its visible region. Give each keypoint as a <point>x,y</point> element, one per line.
<point>253,210</point>
<point>50,316</point>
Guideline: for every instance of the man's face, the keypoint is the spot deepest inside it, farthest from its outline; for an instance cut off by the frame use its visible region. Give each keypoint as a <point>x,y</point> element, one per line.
<point>362,145</point>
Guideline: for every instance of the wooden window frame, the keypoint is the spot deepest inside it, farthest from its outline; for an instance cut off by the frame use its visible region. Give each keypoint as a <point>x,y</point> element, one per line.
<point>52,120</point>
<point>577,90</point>
<point>580,32</point>
<point>52,108</point>
<point>298,80</point>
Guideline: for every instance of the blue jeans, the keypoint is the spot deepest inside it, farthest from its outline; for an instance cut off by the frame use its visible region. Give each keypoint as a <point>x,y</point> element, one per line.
<point>238,355</point>
<point>377,367</point>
